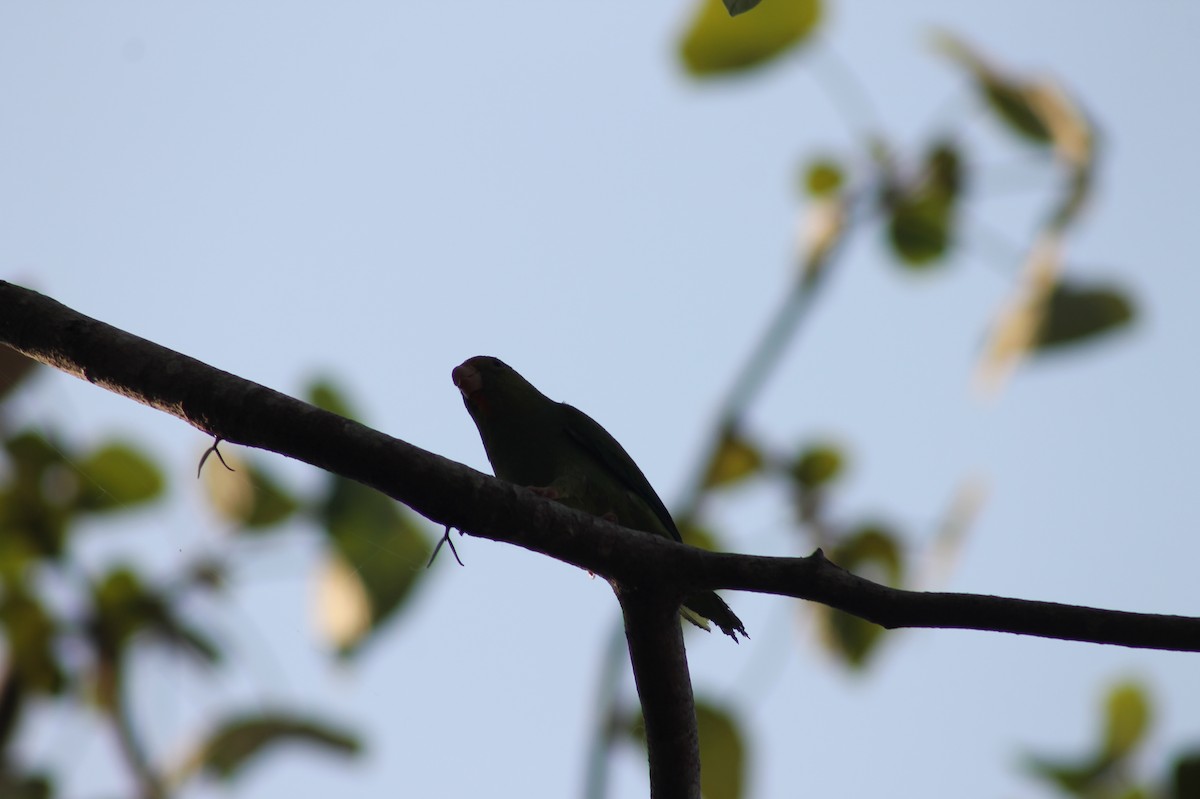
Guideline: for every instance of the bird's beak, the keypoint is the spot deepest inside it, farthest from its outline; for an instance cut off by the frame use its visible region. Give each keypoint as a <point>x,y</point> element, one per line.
<point>467,378</point>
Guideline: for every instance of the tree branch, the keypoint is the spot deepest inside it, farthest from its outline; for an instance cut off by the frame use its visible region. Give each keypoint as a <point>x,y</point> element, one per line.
<point>664,688</point>
<point>449,493</point>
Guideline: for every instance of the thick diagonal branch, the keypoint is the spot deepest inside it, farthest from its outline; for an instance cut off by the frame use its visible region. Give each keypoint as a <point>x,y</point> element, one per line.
<point>449,493</point>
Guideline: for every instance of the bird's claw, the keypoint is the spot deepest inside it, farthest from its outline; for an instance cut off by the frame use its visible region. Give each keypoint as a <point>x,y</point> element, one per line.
<point>445,539</point>
<point>210,451</point>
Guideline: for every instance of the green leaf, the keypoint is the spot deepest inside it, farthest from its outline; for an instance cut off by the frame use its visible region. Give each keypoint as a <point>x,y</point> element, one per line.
<point>918,230</point>
<point>125,607</point>
<point>117,476</point>
<point>248,496</point>
<point>1075,313</point>
<point>817,466</point>
<point>849,637</point>
<point>325,395</point>
<point>238,741</point>
<point>383,550</point>
<point>697,536</point>
<point>716,44</point>
<point>722,753</point>
<point>1013,101</point>
<point>35,503</point>
<point>1074,778</point>
<point>1185,777</point>
<point>823,177</point>
<point>32,453</point>
<point>29,632</point>
<point>722,749</point>
<point>1010,100</point>
<point>920,227</point>
<point>1127,719</point>
<point>871,545</point>
<point>735,459</point>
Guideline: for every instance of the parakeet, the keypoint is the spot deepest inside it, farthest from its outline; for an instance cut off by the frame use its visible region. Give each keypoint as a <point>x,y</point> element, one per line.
<point>562,453</point>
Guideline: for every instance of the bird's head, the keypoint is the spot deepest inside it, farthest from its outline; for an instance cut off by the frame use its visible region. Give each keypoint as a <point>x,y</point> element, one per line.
<point>489,385</point>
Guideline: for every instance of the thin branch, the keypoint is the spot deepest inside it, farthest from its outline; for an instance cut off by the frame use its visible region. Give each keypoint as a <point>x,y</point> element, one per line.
<point>150,785</point>
<point>12,702</point>
<point>763,360</point>
<point>449,493</point>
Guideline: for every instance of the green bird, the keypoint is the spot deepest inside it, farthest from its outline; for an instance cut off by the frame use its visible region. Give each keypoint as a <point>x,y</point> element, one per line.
<point>562,453</point>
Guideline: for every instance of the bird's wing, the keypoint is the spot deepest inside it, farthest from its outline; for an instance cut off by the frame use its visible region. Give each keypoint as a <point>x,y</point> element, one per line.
<point>600,444</point>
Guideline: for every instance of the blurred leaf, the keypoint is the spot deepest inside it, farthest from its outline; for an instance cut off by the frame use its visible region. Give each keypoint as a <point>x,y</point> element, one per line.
<point>852,639</point>
<point>943,168</point>
<point>1127,719</point>
<point>922,216</point>
<point>735,460</point>
<point>382,547</point>
<point>116,476</point>
<point>1075,313</point>
<point>240,740</point>
<point>248,496</point>
<point>823,178</point>
<point>1185,779</point>
<point>716,43</point>
<point>34,503</point>
<point>817,466</point>
<point>722,749</point>
<point>870,545</point>
<point>698,536</point>
<point>32,453</point>
<point>29,632</point>
<point>343,605</point>
<point>25,786</point>
<point>1010,100</point>
<point>1076,779</point>
<point>15,367</point>
<point>125,607</point>
<point>1013,101</point>
<point>325,395</point>
<point>919,229</point>
<point>722,753</point>
<point>632,726</point>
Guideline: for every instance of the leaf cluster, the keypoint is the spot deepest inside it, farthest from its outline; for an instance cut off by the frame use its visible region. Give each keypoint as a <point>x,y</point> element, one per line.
<point>81,648</point>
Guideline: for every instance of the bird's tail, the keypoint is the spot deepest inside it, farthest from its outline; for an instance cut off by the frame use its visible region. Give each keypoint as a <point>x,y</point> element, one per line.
<point>704,607</point>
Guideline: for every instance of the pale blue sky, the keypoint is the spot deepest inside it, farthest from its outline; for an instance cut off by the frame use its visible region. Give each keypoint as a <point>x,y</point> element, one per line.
<point>379,191</point>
